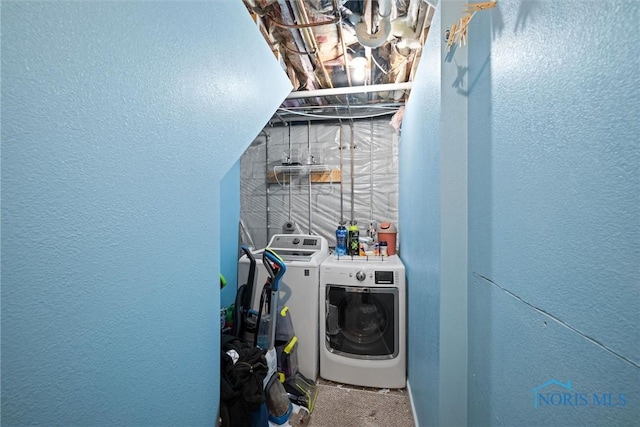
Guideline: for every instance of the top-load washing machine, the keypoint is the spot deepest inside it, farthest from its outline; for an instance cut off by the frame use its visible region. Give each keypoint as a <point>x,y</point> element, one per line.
<point>299,289</point>
<point>363,321</point>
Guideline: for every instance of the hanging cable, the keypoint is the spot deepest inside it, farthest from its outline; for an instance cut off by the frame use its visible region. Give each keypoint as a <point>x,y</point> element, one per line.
<point>343,45</point>
<point>308,25</point>
<point>288,49</point>
<point>341,170</point>
<point>371,173</point>
<point>309,175</point>
<point>350,116</point>
<point>289,160</point>
<point>351,149</point>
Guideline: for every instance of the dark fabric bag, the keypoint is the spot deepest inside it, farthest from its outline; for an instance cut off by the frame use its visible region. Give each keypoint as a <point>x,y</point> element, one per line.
<point>241,383</point>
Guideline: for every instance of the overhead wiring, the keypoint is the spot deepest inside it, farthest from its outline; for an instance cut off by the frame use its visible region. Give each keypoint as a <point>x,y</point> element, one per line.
<point>288,49</point>
<point>406,59</point>
<point>349,116</point>
<point>381,106</point>
<point>299,26</point>
<point>316,42</point>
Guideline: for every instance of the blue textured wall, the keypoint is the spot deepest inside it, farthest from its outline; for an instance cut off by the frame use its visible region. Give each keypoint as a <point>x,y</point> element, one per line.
<point>554,211</point>
<point>229,229</point>
<point>552,124</point>
<point>433,215</point>
<point>118,121</point>
<point>419,221</point>
<point>454,226</point>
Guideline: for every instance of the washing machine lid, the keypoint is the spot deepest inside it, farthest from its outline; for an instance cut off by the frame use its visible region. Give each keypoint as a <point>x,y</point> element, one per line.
<point>299,247</point>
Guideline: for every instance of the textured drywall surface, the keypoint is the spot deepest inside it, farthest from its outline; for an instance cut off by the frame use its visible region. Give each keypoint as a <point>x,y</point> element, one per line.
<point>453,196</point>
<point>518,349</point>
<point>118,120</point>
<point>419,213</point>
<point>229,228</point>
<point>554,212</point>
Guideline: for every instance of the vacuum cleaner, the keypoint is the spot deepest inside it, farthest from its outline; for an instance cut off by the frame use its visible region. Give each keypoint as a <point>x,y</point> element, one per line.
<point>259,327</point>
<point>282,411</point>
<point>244,318</point>
<point>301,390</point>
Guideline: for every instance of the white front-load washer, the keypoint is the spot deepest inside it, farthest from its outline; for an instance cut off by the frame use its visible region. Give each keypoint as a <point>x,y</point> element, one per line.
<point>363,321</point>
<point>298,289</point>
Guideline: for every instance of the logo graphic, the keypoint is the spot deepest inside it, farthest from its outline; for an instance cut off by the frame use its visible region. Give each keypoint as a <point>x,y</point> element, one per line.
<point>555,393</point>
<point>537,394</point>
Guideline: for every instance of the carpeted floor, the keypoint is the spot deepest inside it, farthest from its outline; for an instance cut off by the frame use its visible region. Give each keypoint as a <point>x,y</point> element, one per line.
<point>345,406</point>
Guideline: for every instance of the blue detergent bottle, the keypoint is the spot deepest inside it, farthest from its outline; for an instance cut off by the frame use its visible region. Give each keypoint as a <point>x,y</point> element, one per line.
<point>341,239</point>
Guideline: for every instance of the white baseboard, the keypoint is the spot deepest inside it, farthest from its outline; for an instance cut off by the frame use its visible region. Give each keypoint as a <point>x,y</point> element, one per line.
<point>413,406</point>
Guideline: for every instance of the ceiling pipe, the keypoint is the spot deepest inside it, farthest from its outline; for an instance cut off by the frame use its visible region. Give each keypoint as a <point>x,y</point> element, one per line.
<point>377,39</point>
<point>308,25</point>
<point>260,11</point>
<point>310,39</point>
<point>400,77</point>
<point>349,90</point>
<point>284,122</point>
<point>286,14</point>
<point>408,28</point>
<point>425,18</point>
<point>345,57</point>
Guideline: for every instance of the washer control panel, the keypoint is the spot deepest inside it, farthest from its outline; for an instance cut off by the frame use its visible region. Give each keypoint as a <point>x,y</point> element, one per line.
<point>293,241</point>
<point>377,277</point>
<point>387,272</point>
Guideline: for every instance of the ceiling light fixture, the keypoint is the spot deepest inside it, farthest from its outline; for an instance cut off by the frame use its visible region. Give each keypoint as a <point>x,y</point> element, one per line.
<point>358,69</point>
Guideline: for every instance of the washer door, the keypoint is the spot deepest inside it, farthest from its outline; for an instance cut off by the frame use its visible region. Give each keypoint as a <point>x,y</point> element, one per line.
<point>362,322</point>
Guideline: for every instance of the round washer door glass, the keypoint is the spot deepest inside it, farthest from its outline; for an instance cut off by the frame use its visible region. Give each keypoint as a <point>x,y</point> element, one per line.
<point>362,322</point>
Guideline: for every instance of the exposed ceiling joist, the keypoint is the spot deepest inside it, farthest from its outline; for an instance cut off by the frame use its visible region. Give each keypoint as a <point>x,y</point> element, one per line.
<point>318,43</point>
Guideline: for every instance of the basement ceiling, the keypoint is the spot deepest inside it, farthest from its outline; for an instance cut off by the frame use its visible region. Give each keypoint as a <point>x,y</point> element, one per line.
<point>345,59</point>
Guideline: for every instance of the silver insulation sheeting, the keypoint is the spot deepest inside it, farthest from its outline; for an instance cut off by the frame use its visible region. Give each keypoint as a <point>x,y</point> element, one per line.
<point>267,202</point>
